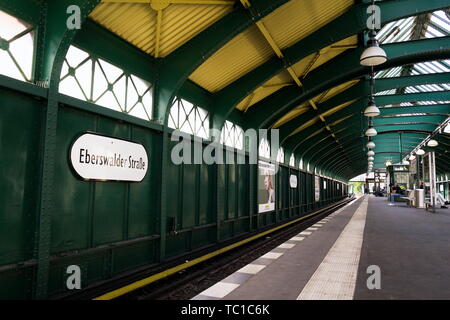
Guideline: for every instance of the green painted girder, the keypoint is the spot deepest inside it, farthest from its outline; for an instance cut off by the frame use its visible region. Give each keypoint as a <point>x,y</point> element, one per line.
<point>392,149</point>
<point>316,145</point>
<point>328,141</point>
<point>291,141</point>
<point>327,144</point>
<point>419,96</point>
<point>286,129</point>
<point>391,155</point>
<point>337,161</point>
<point>358,91</point>
<point>313,141</point>
<point>53,42</point>
<point>341,69</point>
<point>384,84</point>
<point>405,137</point>
<point>426,117</point>
<point>406,147</point>
<point>358,107</point>
<point>395,143</point>
<point>178,65</point>
<point>94,39</point>
<point>350,23</point>
<point>333,151</point>
<point>296,140</point>
<point>413,136</point>
<point>437,109</point>
<point>362,88</point>
<point>334,162</point>
<point>398,127</point>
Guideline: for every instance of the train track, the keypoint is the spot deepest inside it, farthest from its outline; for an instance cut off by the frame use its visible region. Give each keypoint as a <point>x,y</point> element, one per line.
<point>190,282</point>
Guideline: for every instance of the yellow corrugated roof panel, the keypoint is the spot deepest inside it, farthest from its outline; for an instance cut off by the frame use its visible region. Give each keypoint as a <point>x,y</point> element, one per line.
<point>276,83</point>
<point>318,99</point>
<point>286,25</point>
<point>324,96</point>
<point>137,23</point>
<point>292,114</point>
<point>239,56</point>
<point>299,18</point>
<point>301,68</point>
<point>315,60</point>
<point>315,133</point>
<point>340,120</point>
<point>306,125</point>
<point>336,109</point>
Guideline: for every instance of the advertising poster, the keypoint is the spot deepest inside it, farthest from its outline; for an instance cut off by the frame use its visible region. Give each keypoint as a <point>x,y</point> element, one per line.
<point>413,166</point>
<point>293,181</point>
<point>317,188</point>
<point>266,186</point>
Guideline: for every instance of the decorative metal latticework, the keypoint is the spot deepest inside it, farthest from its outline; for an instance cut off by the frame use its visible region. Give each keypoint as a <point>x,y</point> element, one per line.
<point>188,118</point>
<point>292,160</point>
<point>264,149</point>
<point>232,135</point>
<point>280,155</point>
<point>16,48</point>
<point>89,78</point>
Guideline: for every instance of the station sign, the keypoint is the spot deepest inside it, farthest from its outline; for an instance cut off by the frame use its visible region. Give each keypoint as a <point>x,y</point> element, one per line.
<point>101,158</point>
<point>293,181</point>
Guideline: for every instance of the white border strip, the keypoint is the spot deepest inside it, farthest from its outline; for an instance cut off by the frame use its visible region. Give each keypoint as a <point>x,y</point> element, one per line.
<point>335,278</point>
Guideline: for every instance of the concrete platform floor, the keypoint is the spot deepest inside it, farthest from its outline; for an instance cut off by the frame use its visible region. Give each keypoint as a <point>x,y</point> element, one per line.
<point>336,258</point>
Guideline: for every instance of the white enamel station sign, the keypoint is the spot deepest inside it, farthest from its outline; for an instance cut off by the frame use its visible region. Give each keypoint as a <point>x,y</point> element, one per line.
<point>97,157</point>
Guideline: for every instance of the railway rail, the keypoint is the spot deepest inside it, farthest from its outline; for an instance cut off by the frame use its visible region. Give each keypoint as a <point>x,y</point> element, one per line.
<point>180,280</point>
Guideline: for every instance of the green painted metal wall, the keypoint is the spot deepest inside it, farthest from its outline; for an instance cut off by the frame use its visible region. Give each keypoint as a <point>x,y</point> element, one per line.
<point>108,228</point>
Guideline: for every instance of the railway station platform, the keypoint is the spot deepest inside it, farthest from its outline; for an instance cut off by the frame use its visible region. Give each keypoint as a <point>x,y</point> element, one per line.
<point>365,250</point>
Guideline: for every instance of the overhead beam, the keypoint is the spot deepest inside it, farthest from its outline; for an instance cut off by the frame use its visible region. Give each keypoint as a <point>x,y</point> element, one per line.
<point>193,2</point>
<point>342,69</point>
<point>179,64</point>
<point>426,117</point>
<point>350,23</point>
<point>358,91</point>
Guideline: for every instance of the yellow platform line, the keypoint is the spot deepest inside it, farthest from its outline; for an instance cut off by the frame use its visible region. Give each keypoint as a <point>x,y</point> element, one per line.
<point>164,274</point>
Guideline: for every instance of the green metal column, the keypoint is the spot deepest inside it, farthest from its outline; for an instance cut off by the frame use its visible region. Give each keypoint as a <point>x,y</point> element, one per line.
<point>55,41</point>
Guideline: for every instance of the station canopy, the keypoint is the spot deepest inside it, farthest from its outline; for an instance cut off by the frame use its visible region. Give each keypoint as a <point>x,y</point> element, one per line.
<point>294,65</point>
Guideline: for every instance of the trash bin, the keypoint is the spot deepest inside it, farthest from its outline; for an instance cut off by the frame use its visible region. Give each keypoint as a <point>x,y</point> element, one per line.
<point>419,195</point>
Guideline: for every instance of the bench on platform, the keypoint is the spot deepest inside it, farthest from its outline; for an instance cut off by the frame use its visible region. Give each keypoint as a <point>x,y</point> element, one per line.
<point>410,198</point>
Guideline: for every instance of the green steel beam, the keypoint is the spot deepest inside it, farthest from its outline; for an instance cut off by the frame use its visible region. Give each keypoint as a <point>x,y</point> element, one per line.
<point>336,162</point>
<point>317,147</point>
<point>358,107</point>
<point>296,140</point>
<point>176,68</point>
<point>311,144</point>
<point>178,65</point>
<point>436,109</point>
<point>406,148</point>
<point>410,97</point>
<point>291,141</point>
<point>426,117</point>
<point>334,150</point>
<point>362,90</point>
<point>407,126</point>
<point>94,38</point>
<point>350,23</point>
<point>343,68</point>
<point>54,39</point>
